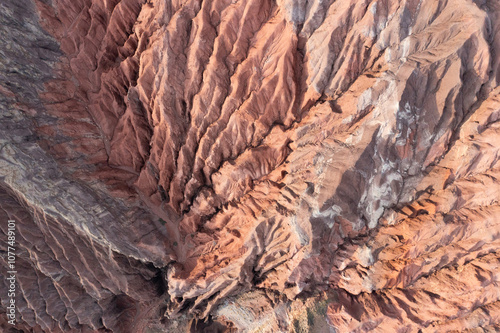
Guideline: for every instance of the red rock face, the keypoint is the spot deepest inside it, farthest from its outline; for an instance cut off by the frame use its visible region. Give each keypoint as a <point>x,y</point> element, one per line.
<point>252,165</point>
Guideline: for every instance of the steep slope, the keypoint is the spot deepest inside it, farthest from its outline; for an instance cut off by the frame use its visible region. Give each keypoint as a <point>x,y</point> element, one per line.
<point>246,165</point>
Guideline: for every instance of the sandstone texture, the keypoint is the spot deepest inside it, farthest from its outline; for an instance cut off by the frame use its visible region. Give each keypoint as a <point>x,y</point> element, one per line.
<point>251,165</point>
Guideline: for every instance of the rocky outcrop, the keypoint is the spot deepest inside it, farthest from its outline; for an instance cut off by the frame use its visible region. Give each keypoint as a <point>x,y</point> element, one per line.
<point>252,165</point>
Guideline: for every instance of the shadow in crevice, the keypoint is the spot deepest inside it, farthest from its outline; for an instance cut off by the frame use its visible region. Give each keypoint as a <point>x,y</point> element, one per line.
<point>210,326</point>
<point>424,125</point>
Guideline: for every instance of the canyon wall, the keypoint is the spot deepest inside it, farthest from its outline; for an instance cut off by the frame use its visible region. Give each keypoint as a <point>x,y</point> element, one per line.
<point>251,165</point>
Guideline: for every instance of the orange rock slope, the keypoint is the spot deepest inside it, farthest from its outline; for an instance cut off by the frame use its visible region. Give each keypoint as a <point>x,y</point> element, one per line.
<point>252,165</point>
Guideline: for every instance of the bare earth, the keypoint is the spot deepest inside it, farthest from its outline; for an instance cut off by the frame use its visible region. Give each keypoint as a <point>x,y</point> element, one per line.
<point>251,165</point>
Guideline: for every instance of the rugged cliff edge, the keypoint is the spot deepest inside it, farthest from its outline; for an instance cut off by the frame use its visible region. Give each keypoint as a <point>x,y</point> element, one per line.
<point>251,165</point>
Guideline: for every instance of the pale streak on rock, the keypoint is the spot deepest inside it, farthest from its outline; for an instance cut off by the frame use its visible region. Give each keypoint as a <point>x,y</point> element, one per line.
<point>315,164</point>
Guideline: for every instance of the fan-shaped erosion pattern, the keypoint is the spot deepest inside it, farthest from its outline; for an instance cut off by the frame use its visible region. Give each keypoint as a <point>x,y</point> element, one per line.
<point>251,165</point>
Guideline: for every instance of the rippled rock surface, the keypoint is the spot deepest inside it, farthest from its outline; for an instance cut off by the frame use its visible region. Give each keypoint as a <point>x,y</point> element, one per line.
<point>251,165</point>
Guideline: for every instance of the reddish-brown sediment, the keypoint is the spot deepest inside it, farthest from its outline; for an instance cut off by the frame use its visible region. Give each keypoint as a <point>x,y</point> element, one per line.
<point>283,166</point>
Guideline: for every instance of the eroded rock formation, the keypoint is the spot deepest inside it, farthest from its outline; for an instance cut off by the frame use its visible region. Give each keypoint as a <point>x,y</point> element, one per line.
<point>252,165</point>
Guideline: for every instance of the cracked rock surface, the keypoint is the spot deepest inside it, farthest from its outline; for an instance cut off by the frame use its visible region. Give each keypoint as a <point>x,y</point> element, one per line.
<point>251,165</point>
